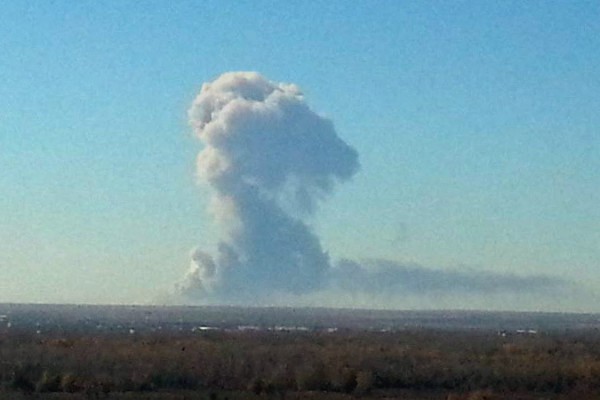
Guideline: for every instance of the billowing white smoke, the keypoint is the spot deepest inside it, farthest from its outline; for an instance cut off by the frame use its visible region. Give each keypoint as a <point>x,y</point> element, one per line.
<point>269,159</point>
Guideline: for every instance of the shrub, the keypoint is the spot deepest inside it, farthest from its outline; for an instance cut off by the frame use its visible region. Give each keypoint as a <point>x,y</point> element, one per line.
<point>365,380</point>
<point>311,377</point>
<point>48,383</point>
<point>70,384</point>
<point>343,379</point>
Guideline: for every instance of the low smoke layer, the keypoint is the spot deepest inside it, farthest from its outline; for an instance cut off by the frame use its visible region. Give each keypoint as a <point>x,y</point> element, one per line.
<point>389,277</point>
<point>269,160</point>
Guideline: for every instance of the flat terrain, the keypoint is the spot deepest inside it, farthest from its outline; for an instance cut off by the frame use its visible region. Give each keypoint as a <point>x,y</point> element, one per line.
<point>70,352</point>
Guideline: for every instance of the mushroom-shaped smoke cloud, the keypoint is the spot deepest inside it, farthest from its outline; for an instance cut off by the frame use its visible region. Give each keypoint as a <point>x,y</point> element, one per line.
<point>269,159</point>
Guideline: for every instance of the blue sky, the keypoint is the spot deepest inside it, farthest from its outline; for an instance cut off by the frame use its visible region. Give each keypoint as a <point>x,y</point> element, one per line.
<point>476,124</point>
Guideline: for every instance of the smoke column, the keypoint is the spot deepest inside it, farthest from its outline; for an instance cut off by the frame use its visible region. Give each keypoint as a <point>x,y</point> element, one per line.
<point>268,159</point>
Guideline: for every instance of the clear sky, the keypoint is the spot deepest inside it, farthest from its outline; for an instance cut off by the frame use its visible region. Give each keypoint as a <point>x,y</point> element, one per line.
<point>476,123</point>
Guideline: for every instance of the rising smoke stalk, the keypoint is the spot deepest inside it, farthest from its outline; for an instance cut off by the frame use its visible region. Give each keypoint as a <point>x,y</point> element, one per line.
<point>268,159</point>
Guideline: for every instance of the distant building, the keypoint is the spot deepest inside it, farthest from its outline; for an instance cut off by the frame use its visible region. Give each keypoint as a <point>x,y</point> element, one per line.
<point>204,328</point>
<point>527,331</point>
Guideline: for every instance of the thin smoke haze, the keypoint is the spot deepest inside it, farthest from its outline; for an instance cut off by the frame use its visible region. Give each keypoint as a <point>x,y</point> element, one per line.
<point>269,160</point>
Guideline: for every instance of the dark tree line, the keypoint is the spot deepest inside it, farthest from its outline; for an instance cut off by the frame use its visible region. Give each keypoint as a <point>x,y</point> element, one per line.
<point>456,365</point>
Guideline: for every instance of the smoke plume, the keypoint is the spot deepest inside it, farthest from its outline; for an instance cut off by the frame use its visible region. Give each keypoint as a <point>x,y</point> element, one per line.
<point>388,277</point>
<point>269,159</point>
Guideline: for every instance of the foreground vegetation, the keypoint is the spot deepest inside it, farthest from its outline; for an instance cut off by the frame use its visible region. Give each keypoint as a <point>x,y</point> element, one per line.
<point>293,365</point>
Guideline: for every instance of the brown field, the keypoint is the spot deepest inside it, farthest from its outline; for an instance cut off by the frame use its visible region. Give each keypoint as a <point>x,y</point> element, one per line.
<point>412,364</point>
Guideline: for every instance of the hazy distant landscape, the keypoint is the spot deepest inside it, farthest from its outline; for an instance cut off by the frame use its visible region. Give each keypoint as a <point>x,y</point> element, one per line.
<point>135,352</point>
<point>92,319</point>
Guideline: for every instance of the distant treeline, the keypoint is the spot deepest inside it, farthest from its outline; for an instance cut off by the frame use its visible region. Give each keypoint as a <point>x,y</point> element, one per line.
<point>473,365</point>
<point>61,318</point>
